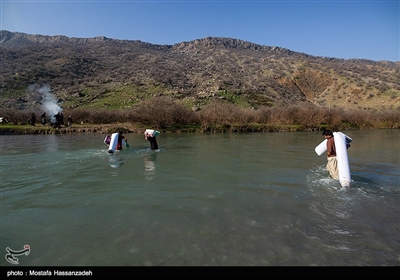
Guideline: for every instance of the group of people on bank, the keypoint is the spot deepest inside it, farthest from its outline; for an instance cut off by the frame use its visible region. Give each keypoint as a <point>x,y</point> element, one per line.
<point>56,122</point>
<point>123,141</point>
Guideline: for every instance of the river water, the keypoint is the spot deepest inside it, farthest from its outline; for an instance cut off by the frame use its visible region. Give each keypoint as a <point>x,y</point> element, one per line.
<point>228,199</point>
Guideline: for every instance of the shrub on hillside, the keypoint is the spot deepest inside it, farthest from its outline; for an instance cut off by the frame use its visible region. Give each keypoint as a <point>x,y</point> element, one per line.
<point>224,113</point>
<point>160,112</point>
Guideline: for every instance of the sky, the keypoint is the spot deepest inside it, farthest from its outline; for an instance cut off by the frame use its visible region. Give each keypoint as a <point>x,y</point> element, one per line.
<point>345,29</point>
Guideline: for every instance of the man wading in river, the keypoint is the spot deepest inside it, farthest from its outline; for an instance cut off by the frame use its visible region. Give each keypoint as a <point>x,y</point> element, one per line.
<point>332,165</point>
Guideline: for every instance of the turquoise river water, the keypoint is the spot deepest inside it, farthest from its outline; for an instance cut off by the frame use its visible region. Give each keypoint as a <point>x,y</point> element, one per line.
<point>228,199</point>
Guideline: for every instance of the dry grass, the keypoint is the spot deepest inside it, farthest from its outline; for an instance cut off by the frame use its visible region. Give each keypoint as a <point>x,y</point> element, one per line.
<point>165,113</point>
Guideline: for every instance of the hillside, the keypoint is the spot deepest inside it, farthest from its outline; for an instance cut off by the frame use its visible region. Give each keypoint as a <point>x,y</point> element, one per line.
<point>107,73</point>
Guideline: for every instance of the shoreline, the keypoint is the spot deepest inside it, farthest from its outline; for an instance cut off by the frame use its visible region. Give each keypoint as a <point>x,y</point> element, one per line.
<point>126,128</point>
<point>74,129</point>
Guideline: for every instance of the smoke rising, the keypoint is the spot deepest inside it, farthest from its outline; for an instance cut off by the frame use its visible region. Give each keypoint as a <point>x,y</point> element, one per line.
<point>49,102</point>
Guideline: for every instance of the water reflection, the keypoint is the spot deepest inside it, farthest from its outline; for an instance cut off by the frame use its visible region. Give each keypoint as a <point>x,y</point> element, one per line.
<point>150,166</point>
<point>116,160</point>
<point>52,143</point>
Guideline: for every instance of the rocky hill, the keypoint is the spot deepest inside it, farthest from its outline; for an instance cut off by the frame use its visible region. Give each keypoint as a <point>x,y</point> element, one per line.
<point>107,73</point>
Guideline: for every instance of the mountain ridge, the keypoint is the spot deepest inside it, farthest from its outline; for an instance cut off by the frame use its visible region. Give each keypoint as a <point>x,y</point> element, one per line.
<point>81,70</point>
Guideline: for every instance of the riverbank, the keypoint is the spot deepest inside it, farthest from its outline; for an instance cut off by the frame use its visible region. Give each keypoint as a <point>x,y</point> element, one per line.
<point>127,127</point>
<point>11,129</point>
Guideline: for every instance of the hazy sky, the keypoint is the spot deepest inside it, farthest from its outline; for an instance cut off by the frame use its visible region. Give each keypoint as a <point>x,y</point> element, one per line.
<point>339,28</point>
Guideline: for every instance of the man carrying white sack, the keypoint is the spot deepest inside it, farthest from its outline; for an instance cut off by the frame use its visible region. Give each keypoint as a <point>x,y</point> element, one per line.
<point>152,138</point>
<point>332,165</point>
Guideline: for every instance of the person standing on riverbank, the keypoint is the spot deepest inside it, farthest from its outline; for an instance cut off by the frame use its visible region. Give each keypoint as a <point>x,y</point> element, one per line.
<point>44,118</point>
<point>61,119</point>
<point>57,122</point>
<point>332,165</point>
<point>32,120</point>
<point>69,123</point>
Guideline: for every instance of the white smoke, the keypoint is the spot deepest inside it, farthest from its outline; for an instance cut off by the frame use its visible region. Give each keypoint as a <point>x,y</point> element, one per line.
<point>49,102</point>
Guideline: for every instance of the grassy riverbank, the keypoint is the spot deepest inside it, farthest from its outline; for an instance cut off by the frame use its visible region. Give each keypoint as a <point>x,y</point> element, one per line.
<point>167,115</point>
<point>12,129</point>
